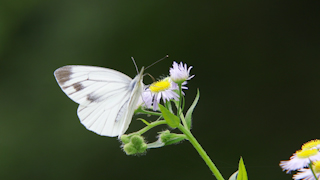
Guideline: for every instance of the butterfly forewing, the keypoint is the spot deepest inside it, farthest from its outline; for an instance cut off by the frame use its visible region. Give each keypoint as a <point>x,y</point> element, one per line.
<point>107,97</point>
<point>88,85</point>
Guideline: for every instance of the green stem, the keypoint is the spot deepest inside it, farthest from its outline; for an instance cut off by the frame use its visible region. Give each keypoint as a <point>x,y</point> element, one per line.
<point>151,125</point>
<point>201,152</point>
<point>179,109</point>
<point>180,98</point>
<point>184,122</point>
<point>140,110</point>
<point>314,174</point>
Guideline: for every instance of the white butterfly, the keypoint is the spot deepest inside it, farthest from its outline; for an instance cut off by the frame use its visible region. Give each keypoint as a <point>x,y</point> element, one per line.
<point>107,98</point>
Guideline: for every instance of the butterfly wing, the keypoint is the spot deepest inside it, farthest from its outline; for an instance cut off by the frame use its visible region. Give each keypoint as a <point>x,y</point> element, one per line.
<point>89,85</point>
<point>135,97</point>
<point>104,96</point>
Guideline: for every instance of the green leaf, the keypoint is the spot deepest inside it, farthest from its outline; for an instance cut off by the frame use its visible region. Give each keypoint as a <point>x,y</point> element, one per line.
<point>176,139</point>
<point>190,110</point>
<point>168,105</point>
<point>176,103</point>
<point>242,171</point>
<point>171,119</point>
<point>144,121</point>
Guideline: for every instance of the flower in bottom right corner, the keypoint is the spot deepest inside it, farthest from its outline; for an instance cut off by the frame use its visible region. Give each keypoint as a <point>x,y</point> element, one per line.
<point>306,173</point>
<point>300,159</point>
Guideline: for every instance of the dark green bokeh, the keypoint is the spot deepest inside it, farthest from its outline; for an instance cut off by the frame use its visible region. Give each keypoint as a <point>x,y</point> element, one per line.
<point>256,65</point>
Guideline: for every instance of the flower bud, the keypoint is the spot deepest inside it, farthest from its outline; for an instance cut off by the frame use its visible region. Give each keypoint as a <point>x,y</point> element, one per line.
<point>125,139</point>
<point>179,73</point>
<point>129,149</point>
<point>165,136</point>
<point>137,140</point>
<point>135,146</point>
<point>143,148</point>
<point>171,138</point>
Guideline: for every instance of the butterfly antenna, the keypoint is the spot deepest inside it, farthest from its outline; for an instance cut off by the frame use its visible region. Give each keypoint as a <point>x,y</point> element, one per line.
<point>157,61</point>
<point>150,76</point>
<point>134,62</point>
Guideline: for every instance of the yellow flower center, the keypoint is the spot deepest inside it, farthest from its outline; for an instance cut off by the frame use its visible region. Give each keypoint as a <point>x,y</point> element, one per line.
<point>160,85</point>
<point>311,144</point>
<point>306,153</point>
<point>316,166</point>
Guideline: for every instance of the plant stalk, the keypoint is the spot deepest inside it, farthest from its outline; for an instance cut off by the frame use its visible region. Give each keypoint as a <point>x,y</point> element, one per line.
<point>201,152</point>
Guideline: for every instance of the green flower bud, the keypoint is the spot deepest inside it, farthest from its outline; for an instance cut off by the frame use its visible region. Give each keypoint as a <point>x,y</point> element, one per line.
<point>129,149</point>
<point>142,148</point>
<point>137,140</point>
<point>135,146</point>
<point>125,139</point>
<point>165,136</point>
<point>171,138</point>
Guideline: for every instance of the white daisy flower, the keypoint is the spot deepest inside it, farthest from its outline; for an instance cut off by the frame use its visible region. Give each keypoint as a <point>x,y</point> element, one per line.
<point>300,159</point>
<point>180,73</point>
<point>307,174</point>
<point>146,98</point>
<point>164,89</point>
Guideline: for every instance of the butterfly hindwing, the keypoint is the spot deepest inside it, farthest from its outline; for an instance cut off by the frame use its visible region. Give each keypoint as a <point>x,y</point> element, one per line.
<point>102,119</point>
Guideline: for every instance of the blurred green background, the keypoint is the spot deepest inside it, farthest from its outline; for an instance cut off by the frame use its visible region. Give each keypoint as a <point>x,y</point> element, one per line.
<point>256,65</point>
